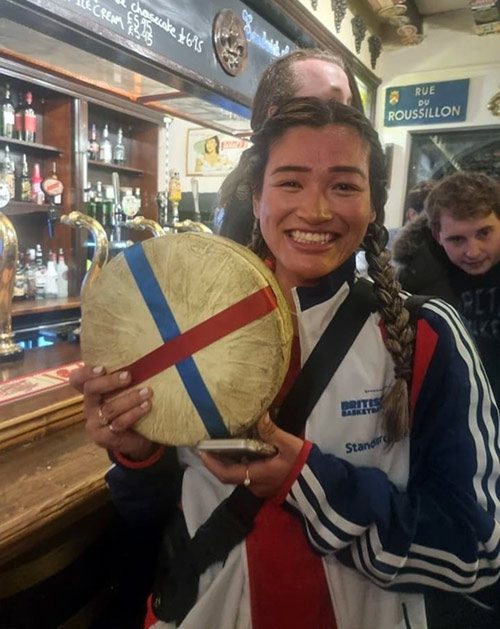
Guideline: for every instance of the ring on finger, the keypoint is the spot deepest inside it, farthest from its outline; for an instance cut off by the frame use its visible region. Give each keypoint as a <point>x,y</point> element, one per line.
<point>102,419</point>
<point>247,481</point>
<point>112,428</point>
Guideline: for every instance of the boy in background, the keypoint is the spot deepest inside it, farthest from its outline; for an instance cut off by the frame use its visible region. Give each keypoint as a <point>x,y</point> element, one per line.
<point>456,256</point>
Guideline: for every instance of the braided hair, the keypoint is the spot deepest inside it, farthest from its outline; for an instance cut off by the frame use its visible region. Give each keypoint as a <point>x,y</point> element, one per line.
<point>399,337</point>
<point>278,84</point>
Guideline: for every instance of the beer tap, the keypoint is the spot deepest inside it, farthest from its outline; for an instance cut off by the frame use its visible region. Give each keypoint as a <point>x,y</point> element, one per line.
<point>53,188</point>
<point>78,219</point>
<point>142,223</point>
<point>117,211</point>
<point>9,350</point>
<point>196,199</point>
<point>162,205</point>
<point>174,196</point>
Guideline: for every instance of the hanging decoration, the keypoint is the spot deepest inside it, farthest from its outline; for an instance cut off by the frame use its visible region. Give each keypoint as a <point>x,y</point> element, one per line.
<point>339,7</point>
<point>401,17</point>
<point>375,48</point>
<point>314,4</point>
<point>359,31</point>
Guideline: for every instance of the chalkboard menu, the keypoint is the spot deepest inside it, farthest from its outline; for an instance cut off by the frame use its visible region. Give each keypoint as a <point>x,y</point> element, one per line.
<point>177,32</point>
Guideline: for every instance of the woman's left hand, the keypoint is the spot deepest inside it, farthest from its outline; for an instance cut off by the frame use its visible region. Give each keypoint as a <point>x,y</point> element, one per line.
<point>266,475</point>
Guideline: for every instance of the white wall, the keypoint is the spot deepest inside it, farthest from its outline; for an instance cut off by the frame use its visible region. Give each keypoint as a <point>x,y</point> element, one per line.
<point>326,16</point>
<point>450,50</point>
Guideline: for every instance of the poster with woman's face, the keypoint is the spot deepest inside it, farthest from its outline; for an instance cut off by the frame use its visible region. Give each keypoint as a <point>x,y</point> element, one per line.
<point>210,153</point>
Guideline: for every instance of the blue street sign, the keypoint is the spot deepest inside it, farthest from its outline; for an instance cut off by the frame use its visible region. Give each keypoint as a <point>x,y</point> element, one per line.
<point>440,102</point>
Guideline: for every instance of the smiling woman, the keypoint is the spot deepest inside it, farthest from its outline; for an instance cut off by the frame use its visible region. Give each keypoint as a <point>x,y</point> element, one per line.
<point>361,504</point>
<point>314,206</point>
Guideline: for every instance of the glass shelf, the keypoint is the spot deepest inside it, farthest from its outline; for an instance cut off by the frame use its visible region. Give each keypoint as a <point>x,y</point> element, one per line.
<point>16,208</point>
<point>119,168</point>
<point>42,148</point>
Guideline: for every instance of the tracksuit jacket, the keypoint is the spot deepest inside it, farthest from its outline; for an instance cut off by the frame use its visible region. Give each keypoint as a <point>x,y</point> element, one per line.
<point>389,522</point>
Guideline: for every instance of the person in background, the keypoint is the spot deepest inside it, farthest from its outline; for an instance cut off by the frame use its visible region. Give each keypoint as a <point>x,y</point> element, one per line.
<point>413,211</point>
<point>415,236</point>
<point>454,254</point>
<point>305,72</point>
<point>363,512</point>
<point>415,201</point>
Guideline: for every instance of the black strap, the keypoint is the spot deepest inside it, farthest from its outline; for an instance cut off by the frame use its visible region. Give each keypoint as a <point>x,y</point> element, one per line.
<point>413,305</point>
<point>326,357</point>
<point>184,558</point>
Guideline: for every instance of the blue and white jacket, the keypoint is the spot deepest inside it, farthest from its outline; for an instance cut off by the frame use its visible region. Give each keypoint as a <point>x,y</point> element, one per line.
<point>388,521</point>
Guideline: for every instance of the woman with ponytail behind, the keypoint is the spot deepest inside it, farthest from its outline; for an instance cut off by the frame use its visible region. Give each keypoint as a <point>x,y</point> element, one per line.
<point>391,487</point>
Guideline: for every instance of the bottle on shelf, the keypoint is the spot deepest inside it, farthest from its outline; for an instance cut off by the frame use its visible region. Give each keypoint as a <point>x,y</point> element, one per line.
<point>105,150</point>
<point>51,185</point>
<point>29,119</point>
<point>40,273</point>
<point>89,202</point>
<point>51,288</point>
<point>94,148</point>
<point>31,274</point>
<point>19,117</point>
<point>119,149</point>
<point>37,194</point>
<point>9,172</point>
<point>8,115</point>
<point>24,181</point>
<point>62,276</point>
<point>21,280</point>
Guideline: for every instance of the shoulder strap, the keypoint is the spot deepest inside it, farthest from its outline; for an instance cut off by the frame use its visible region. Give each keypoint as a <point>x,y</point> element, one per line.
<point>326,357</point>
<point>233,519</point>
<point>413,304</point>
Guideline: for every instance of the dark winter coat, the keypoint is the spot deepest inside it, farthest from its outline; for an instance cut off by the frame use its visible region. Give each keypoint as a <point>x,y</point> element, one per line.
<point>422,266</point>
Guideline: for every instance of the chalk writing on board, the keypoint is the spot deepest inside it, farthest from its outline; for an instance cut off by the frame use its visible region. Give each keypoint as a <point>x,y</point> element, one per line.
<point>140,22</point>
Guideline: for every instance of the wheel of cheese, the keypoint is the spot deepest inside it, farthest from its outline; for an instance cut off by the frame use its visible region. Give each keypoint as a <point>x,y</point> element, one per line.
<point>199,319</point>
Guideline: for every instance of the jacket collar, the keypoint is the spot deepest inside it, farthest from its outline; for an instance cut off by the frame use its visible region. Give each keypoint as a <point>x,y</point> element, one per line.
<point>328,285</point>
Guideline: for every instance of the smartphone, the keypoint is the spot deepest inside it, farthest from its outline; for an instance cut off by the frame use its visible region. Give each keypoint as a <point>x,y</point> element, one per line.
<point>238,450</point>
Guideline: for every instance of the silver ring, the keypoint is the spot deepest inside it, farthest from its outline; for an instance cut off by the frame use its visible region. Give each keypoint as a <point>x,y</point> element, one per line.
<point>247,481</point>
<point>112,428</point>
<point>102,420</point>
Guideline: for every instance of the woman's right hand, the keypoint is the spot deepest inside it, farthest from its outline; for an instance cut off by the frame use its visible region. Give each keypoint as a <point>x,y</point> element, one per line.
<point>111,412</point>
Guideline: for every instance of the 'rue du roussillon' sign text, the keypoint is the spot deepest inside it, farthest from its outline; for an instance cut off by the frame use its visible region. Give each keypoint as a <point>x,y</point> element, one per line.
<point>426,103</point>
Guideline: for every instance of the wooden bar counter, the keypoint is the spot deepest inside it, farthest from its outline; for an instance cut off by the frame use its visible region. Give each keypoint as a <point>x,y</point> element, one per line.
<point>51,477</point>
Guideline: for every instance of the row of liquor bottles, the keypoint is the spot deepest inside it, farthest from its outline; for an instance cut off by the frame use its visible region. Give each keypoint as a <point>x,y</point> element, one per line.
<point>26,182</point>
<point>104,151</point>
<point>18,121</point>
<point>39,278</point>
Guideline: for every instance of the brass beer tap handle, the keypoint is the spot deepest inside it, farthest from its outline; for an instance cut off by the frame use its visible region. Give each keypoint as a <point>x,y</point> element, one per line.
<point>192,226</point>
<point>78,219</point>
<point>142,223</point>
<point>9,350</point>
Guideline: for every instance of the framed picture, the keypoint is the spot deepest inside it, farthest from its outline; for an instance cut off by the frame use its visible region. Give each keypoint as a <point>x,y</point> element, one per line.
<point>212,154</point>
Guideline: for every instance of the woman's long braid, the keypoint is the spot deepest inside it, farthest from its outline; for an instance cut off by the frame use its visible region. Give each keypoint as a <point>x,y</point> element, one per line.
<point>400,333</point>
